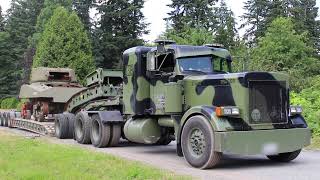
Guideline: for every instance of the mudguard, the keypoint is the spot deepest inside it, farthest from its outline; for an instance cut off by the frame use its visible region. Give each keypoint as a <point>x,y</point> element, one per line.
<point>108,116</point>
<point>298,121</point>
<point>218,123</point>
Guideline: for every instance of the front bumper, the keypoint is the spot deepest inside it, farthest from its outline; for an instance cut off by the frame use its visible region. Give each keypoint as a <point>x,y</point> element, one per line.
<point>266,142</point>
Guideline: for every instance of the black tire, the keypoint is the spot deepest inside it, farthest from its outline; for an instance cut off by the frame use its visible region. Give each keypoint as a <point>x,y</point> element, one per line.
<point>82,126</point>
<point>115,135</point>
<point>285,157</point>
<point>61,126</point>
<point>71,118</point>
<point>1,119</point>
<point>164,140</point>
<point>100,133</point>
<point>6,119</point>
<point>196,132</point>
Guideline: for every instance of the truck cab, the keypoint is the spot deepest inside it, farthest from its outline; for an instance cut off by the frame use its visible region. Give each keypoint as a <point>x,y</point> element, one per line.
<point>190,93</point>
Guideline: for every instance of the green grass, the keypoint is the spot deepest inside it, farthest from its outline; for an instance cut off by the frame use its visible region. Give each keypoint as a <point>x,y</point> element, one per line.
<point>315,143</point>
<point>22,158</point>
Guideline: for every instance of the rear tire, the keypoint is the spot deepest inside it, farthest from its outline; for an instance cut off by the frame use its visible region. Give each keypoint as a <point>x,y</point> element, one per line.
<point>1,119</point>
<point>71,118</point>
<point>197,142</point>
<point>61,126</point>
<point>115,135</point>
<point>285,157</point>
<point>6,119</point>
<point>100,133</point>
<point>82,128</point>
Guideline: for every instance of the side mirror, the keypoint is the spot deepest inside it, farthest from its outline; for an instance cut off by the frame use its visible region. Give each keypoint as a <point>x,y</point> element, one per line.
<point>151,62</point>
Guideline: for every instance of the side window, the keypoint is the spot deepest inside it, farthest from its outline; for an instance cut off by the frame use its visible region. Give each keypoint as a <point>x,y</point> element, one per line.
<point>220,64</point>
<point>165,63</point>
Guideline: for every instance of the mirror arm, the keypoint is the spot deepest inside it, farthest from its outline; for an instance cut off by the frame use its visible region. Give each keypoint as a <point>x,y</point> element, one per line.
<point>162,61</point>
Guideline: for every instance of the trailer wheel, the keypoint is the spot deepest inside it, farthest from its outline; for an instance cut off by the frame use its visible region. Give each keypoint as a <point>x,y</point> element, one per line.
<point>6,119</point>
<point>82,128</point>
<point>71,118</point>
<point>115,135</point>
<point>61,126</point>
<point>100,133</point>
<point>197,142</point>
<point>285,157</point>
<point>1,119</point>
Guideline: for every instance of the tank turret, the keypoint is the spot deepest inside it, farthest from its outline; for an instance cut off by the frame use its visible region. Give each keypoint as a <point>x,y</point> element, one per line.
<point>48,92</point>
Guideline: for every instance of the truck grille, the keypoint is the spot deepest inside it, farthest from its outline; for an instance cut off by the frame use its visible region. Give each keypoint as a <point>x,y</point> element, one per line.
<point>268,102</point>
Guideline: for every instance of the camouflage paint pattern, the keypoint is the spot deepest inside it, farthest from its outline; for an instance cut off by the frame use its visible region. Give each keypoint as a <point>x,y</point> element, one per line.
<point>158,96</point>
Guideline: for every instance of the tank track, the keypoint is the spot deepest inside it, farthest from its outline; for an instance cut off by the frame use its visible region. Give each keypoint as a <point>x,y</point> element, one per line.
<point>43,128</point>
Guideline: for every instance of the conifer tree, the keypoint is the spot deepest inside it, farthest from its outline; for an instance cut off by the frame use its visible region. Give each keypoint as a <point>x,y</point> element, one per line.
<point>225,28</point>
<point>65,43</point>
<point>121,27</point>
<point>192,13</point>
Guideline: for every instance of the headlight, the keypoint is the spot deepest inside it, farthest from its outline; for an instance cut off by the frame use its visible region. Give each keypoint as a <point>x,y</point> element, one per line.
<point>295,110</point>
<point>227,111</point>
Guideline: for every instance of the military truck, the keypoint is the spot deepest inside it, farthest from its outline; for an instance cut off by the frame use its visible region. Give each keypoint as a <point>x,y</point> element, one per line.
<point>187,94</point>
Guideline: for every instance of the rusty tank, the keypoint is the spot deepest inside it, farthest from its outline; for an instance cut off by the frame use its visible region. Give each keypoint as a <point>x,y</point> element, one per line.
<point>48,92</point>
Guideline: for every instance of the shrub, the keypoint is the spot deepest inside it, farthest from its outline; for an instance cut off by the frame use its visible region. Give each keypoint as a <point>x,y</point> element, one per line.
<point>9,103</point>
<point>309,99</point>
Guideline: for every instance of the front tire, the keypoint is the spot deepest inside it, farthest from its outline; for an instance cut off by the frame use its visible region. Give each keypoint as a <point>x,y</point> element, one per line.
<point>197,142</point>
<point>285,157</point>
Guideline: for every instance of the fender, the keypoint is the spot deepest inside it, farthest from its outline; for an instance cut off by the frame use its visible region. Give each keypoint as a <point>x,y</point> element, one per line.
<point>108,116</point>
<point>298,121</point>
<point>217,123</point>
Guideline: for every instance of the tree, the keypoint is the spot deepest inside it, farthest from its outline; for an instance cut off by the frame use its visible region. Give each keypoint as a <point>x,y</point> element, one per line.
<point>304,14</point>
<point>260,13</point>
<point>255,19</point>
<point>65,43</point>
<point>282,49</point>
<point>9,76</point>
<point>193,13</point>
<point>225,28</point>
<point>2,23</point>
<point>44,15</point>
<point>20,25</point>
<point>189,36</point>
<point>121,26</point>
<point>82,7</point>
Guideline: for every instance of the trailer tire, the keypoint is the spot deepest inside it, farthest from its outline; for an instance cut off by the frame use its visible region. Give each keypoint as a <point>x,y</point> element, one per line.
<point>6,119</point>
<point>115,135</point>
<point>71,118</point>
<point>197,142</point>
<point>1,119</point>
<point>61,126</point>
<point>100,133</point>
<point>284,157</point>
<point>82,128</point>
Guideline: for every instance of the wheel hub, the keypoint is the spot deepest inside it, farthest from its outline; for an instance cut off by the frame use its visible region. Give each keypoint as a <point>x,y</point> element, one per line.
<point>197,142</point>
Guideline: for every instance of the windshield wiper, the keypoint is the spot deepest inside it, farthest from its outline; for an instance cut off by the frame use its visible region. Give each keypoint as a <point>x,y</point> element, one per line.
<point>196,71</point>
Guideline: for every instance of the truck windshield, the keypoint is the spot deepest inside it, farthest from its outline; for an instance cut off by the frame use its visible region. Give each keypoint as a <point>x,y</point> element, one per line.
<point>203,64</point>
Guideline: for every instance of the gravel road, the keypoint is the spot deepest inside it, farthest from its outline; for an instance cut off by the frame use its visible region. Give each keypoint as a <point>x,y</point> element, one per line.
<point>306,166</point>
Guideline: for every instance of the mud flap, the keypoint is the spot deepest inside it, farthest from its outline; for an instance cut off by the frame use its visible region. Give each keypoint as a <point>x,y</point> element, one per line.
<point>108,116</point>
